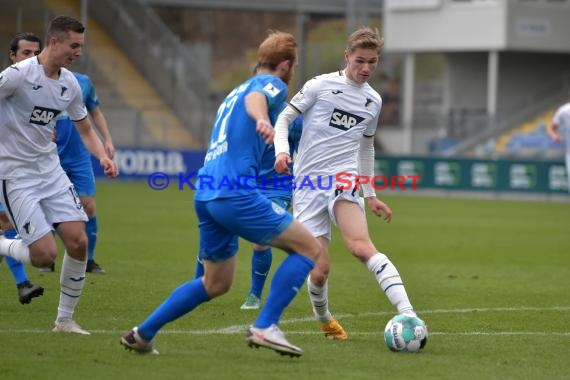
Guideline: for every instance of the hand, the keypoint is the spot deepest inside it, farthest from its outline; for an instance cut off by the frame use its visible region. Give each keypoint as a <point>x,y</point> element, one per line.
<point>110,149</point>
<point>380,208</point>
<point>109,167</point>
<point>282,162</point>
<point>556,137</point>
<point>266,130</point>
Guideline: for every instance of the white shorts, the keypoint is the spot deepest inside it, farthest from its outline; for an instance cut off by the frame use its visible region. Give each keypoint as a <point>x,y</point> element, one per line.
<point>35,205</point>
<point>315,208</point>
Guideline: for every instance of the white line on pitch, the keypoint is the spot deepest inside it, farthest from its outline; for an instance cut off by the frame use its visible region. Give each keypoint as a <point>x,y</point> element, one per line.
<point>240,329</point>
<point>231,329</point>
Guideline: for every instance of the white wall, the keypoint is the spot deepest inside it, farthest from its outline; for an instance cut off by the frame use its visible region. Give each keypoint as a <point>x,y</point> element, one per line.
<point>477,25</point>
<point>445,26</point>
<point>539,26</point>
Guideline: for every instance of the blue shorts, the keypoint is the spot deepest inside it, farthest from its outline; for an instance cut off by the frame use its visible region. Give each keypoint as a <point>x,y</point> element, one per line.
<point>252,217</point>
<point>81,175</point>
<point>284,202</point>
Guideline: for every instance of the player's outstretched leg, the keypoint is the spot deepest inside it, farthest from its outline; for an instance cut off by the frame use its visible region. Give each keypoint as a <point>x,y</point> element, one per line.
<point>272,337</point>
<point>287,281</point>
<point>132,341</point>
<point>181,301</point>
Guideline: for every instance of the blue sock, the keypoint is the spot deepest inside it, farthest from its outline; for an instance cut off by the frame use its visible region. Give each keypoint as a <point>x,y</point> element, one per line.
<point>10,234</point>
<point>260,265</point>
<point>286,283</point>
<point>91,229</point>
<point>199,268</point>
<point>16,267</point>
<point>183,299</point>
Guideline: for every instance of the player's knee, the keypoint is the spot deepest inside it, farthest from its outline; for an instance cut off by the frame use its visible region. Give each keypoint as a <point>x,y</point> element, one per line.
<point>320,273</point>
<point>312,249</point>
<point>76,245</point>
<point>362,249</point>
<point>217,289</point>
<point>43,257</point>
<point>259,247</point>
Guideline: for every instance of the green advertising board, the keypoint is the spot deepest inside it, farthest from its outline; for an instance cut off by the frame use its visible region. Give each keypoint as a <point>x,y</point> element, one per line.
<point>471,174</point>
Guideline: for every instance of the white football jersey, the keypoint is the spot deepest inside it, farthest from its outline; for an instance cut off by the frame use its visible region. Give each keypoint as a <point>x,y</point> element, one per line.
<point>30,103</point>
<point>337,113</point>
<point>562,120</point>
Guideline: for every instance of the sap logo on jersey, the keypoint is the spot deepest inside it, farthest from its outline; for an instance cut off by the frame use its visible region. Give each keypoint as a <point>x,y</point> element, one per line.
<point>344,120</point>
<point>42,116</point>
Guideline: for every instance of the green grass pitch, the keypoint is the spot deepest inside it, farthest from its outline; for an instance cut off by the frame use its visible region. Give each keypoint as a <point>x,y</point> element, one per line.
<point>490,278</point>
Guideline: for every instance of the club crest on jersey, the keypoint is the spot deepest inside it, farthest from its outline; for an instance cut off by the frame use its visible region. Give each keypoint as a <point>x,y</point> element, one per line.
<point>344,120</point>
<point>42,116</point>
<point>271,90</point>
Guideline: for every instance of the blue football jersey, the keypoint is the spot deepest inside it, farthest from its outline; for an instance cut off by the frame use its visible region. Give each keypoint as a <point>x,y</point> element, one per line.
<point>233,161</point>
<point>69,143</point>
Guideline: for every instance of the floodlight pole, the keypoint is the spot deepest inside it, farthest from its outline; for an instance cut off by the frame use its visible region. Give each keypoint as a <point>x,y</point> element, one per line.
<point>408,103</point>
<point>492,86</point>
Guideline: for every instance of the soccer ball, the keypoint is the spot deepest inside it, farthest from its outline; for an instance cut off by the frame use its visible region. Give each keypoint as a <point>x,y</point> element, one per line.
<point>405,333</point>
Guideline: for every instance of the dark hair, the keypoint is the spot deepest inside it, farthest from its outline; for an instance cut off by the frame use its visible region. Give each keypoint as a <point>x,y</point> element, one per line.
<point>61,25</point>
<point>23,37</point>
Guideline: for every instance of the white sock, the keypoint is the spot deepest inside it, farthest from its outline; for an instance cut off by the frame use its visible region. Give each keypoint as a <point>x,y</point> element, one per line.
<point>16,249</point>
<point>319,296</point>
<point>390,282</point>
<point>72,280</point>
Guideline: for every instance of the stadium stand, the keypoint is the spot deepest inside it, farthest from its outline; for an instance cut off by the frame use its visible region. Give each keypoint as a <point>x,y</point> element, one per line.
<point>158,119</point>
<point>530,140</point>
<point>136,113</point>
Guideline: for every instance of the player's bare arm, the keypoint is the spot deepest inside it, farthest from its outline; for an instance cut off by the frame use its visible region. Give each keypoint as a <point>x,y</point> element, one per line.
<point>95,146</point>
<point>103,128</point>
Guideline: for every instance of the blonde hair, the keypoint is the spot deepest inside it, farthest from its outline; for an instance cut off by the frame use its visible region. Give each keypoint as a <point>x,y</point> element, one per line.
<point>276,48</point>
<point>365,38</point>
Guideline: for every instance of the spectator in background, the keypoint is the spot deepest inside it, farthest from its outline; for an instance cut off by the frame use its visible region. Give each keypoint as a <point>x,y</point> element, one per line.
<point>561,122</point>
